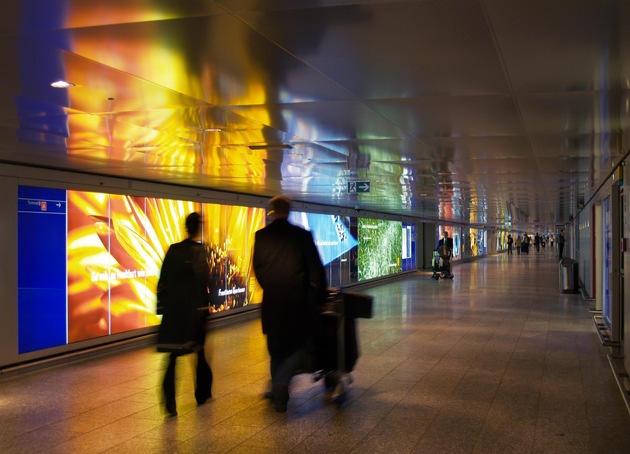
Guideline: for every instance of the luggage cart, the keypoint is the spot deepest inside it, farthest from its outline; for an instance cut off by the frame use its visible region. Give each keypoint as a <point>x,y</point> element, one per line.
<point>441,264</point>
<point>336,345</point>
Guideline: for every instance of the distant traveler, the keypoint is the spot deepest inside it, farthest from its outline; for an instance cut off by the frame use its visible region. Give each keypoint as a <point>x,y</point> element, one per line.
<point>183,301</point>
<point>510,242</point>
<point>446,241</point>
<point>561,244</point>
<point>442,256</point>
<point>290,272</point>
<point>525,244</point>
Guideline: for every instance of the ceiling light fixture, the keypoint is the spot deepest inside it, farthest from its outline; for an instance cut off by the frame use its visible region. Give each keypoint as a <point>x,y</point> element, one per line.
<point>281,146</point>
<point>61,84</point>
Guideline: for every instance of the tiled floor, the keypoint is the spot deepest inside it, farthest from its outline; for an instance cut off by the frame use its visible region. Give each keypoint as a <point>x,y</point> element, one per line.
<point>496,361</point>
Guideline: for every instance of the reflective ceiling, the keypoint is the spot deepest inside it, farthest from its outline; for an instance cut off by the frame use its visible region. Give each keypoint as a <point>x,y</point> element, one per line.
<point>470,111</point>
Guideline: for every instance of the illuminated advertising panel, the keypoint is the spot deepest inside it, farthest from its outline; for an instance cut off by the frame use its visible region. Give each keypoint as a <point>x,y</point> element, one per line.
<point>380,248</point>
<point>229,231</point>
<point>335,243</point>
<point>408,246</point>
<point>457,241</point>
<point>474,242</point>
<point>502,240</point>
<point>607,304</point>
<point>88,263</point>
<point>330,233</point>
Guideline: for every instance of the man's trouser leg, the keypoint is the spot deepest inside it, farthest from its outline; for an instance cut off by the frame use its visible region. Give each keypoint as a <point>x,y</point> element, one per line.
<point>286,360</point>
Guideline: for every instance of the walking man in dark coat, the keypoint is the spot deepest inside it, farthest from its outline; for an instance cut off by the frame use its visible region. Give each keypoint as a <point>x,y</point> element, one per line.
<point>183,301</point>
<point>293,279</point>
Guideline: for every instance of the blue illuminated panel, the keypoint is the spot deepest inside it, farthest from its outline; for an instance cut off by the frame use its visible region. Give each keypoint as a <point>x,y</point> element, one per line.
<point>408,246</point>
<point>42,252</point>
<point>330,234</point>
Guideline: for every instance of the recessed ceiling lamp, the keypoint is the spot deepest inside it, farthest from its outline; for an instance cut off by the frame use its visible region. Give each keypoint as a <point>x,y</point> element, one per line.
<point>61,84</point>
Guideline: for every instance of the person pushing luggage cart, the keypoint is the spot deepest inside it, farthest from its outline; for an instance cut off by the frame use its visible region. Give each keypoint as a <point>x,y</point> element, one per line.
<point>289,270</point>
<point>442,256</point>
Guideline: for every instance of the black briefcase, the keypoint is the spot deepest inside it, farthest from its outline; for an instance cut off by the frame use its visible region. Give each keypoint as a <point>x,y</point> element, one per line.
<point>357,305</point>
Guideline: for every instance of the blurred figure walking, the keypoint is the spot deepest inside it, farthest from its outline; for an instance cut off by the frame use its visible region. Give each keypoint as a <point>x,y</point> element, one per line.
<point>183,301</point>
<point>290,272</point>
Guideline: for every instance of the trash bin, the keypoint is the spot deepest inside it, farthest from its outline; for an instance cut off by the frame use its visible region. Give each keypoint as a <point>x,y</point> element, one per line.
<point>568,275</point>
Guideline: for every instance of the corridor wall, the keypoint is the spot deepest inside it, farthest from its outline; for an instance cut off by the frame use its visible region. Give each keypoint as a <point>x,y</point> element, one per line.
<point>83,253</point>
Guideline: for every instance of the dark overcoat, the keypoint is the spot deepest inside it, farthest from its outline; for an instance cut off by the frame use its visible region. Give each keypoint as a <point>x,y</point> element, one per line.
<point>290,272</point>
<point>183,297</point>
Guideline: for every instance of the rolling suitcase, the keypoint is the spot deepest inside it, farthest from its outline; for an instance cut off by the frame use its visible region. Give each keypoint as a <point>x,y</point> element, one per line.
<point>336,345</point>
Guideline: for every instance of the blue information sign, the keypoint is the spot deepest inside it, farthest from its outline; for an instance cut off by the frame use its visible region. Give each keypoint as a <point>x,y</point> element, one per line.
<point>42,277</point>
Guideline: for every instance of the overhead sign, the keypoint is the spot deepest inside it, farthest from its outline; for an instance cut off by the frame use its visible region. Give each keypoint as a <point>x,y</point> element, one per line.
<point>360,186</point>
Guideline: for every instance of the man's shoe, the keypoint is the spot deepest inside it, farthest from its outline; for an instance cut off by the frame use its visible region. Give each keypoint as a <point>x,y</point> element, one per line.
<point>280,407</point>
<point>171,408</point>
<point>280,398</point>
<point>202,397</point>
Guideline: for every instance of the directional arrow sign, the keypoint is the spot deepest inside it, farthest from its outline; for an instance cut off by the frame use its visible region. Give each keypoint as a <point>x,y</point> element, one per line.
<point>360,186</point>
<point>363,186</point>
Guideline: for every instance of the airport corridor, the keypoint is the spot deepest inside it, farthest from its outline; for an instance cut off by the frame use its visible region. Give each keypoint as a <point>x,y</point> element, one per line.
<point>498,360</point>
